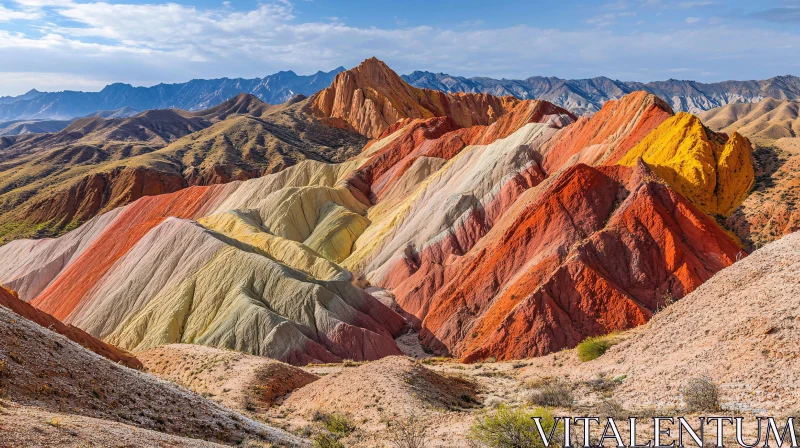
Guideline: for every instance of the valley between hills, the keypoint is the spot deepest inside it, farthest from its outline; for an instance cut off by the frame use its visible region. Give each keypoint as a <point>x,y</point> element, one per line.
<point>379,259</point>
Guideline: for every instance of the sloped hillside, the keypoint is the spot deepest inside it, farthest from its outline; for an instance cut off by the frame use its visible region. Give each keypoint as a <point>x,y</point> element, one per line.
<point>54,182</point>
<point>10,300</point>
<point>240,382</point>
<point>771,211</point>
<point>507,234</point>
<point>738,329</point>
<point>770,119</point>
<point>395,383</point>
<point>51,374</point>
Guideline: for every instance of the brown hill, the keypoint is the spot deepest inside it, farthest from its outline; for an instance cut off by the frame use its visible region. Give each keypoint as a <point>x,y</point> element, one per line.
<point>53,182</point>
<point>238,381</point>
<point>396,384</point>
<point>769,119</point>
<point>44,372</point>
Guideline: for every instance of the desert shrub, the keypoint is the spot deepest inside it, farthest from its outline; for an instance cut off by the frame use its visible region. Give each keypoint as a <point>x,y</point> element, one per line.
<point>701,394</point>
<point>555,394</point>
<point>325,440</point>
<point>611,408</point>
<point>601,384</point>
<point>335,427</point>
<point>593,347</point>
<point>511,428</point>
<point>337,424</point>
<point>668,299</point>
<point>407,433</point>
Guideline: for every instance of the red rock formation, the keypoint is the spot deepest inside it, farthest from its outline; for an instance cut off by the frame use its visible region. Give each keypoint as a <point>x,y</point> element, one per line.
<point>9,300</point>
<point>568,262</point>
<point>656,245</point>
<point>609,134</point>
<point>443,138</point>
<point>62,296</point>
<point>371,97</point>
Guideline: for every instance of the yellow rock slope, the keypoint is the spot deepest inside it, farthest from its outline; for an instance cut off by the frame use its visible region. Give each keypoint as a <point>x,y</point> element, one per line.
<point>714,173</point>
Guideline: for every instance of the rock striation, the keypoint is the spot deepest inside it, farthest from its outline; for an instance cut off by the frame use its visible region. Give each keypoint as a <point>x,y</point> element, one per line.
<point>496,227</point>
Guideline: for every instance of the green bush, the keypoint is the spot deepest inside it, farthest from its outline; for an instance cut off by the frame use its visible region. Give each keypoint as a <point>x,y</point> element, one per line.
<point>593,347</point>
<point>512,428</point>
<point>335,428</point>
<point>338,424</point>
<point>327,441</point>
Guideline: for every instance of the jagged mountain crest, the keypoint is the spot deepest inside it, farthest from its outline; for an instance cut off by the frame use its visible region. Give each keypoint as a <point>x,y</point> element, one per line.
<point>197,94</point>
<point>586,96</point>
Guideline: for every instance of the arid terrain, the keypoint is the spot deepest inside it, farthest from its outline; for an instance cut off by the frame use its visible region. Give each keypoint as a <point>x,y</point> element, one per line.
<point>378,262</point>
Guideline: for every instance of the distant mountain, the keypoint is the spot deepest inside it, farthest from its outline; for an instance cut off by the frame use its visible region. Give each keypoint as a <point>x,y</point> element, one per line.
<point>25,96</point>
<point>194,95</point>
<point>17,127</point>
<point>35,126</point>
<point>123,112</point>
<point>586,96</point>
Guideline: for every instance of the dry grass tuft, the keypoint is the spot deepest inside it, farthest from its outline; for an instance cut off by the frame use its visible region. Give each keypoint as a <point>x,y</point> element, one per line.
<point>701,394</point>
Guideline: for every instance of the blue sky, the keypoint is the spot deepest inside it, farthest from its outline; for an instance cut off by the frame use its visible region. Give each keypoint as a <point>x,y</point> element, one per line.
<point>84,45</point>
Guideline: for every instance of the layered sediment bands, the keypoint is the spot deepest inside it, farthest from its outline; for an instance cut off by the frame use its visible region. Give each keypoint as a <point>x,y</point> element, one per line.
<point>10,300</point>
<point>569,262</point>
<point>250,278</point>
<point>371,97</point>
<point>30,265</point>
<point>715,173</point>
<point>396,152</point>
<point>450,210</point>
<point>247,302</point>
<point>655,246</point>
<point>607,136</point>
<point>245,228</point>
<point>71,286</point>
<point>511,231</point>
<point>569,210</point>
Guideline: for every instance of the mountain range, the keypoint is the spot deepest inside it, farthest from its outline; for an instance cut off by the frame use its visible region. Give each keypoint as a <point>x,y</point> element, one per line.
<point>580,96</point>
<point>53,182</point>
<point>587,96</point>
<point>329,264</point>
<point>194,95</point>
<point>480,216</point>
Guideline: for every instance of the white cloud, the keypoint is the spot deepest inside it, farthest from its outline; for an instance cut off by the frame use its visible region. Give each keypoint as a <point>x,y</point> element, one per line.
<point>691,20</point>
<point>7,15</point>
<point>602,20</point>
<point>689,5</point>
<point>147,44</point>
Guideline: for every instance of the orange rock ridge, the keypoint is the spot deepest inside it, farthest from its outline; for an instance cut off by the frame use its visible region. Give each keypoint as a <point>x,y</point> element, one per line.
<point>371,97</point>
